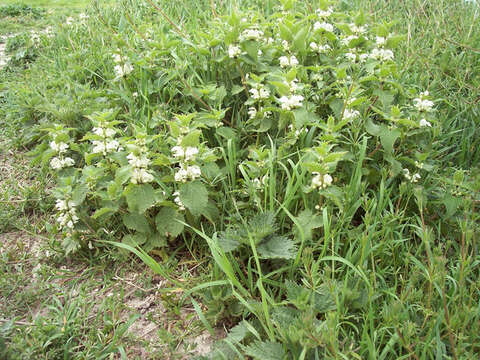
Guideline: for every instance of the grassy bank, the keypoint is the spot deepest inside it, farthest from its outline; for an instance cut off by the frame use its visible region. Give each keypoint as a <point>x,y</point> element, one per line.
<point>194,181</point>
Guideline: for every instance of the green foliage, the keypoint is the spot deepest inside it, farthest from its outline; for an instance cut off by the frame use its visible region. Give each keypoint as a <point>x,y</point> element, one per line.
<point>294,144</point>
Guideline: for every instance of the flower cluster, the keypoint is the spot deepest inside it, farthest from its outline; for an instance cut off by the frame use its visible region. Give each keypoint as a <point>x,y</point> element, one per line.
<point>323,26</point>
<point>122,67</point>
<point>288,61</point>
<point>234,51</point>
<point>67,214</point>
<point>321,181</point>
<point>412,178</point>
<point>60,161</point>
<point>251,34</point>
<point>140,173</point>
<point>186,171</point>
<point>177,201</point>
<point>381,54</point>
<point>260,92</point>
<point>319,48</point>
<point>107,143</point>
<point>422,103</point>
<point>291,102</point>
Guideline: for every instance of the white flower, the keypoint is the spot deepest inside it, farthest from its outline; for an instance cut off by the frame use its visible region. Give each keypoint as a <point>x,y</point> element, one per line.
<point>181,175</point>
<point>259,52</point>
<point>112,145</point>
<point>122,70</point>
<point>252,112</point>
<point>59,147</point>
<point>346,40</point>
<point>260,92</point>
<point>293,85</point>
<point>319,48</point>
<point>251,34</point>
<point>117,58</point>
<point>380,40</point>
<point>285,45</point>
<point>138,162</point>
<point>351,56</point>
<point>234,51</point>
<point>190,153</point>
<point>350,114</point>
<point>363,57</point>
<point>291,102</point>
<point>104,132</point>
<point>68,162</point>
<point>83,16</point>
<point>423,104</point>
<point>178,151</point>
<point>61,205</point>
<point>135,95</point>
<point>193,172</point>
<point>59,163</point>
<point>69,20</point>
<point>288,61</point>
<point>324,13</point>
<point>98,147</point>
<point>382,54</point>
<point>270,41</point>
<point>323,26</point>
<point>141,176</point>
<point>416,177</point>
<point>358,29</point>
<point>321,181</point>
<point>178,201</point>
<point>425,123</point>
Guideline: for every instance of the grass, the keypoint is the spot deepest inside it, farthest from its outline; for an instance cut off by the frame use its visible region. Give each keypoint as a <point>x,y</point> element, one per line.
<point>392,274</point>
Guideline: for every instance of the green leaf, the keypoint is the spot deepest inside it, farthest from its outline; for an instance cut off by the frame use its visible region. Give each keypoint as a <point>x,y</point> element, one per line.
<point>304,117</point>
<point>228,240</point>
<point>266,350</point>
<point>194,196</point>
<point>104,211</point>
<point>167,222</point>
<point>300,39</point>
<point>192,139</point>
<point>140,197</point>
<point>134,240</point>
<point>138,222</point>
<point>388,138</point>
<point>372,128</point>
<point>277,247</point>
<point>308,222</point>
<point>79,193</point>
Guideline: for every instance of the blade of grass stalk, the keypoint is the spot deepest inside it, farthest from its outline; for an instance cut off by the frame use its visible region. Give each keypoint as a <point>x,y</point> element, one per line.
<point>204,321</point>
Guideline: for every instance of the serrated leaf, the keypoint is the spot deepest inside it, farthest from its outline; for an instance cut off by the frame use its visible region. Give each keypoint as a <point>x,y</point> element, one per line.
<point>168,222</point>
<point>79,193</point>
<point>308,222</point>
<point>277,247</point>
<point>103,211</point>
<point>228,240</point>
<point>266,350</point>
<point>134,239</point>
<point>138,222</point>
<point>194,196</point>
<point>140,197</point>
<point>192,139</point>
<point>238,332</point>
<point>388,138</point>
<point>304,117</point>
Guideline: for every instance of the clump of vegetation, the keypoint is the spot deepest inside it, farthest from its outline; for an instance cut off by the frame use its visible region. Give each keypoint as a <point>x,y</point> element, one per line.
<point>287,142</point>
